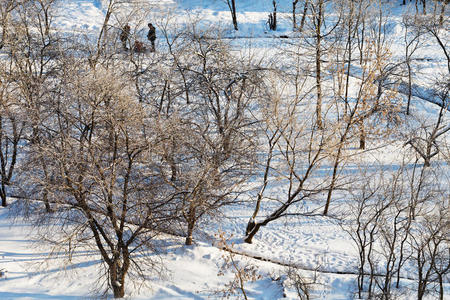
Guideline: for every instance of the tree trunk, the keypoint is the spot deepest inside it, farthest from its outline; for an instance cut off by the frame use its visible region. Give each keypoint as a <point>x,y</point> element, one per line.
<point>294,19</point>
<point>233,14</point>
<point>319,66</point>
<point>305,10</point>
<point>3,195</point>
<point>251,234</point>
<point>250,226</point>
<point>362,136</point>
<point>118,290</point>
<point>441,286</point>
<point>190,231</point>
<point>442,14</point>
<point>118,271</point>
<point>335,169</point>
<point>333,182</point>
<point>408,64</point>
<point>117,281</point>
<point>274,25</point>
<point>45,190</point>
<point>191,225</point>
<point>3,162</point>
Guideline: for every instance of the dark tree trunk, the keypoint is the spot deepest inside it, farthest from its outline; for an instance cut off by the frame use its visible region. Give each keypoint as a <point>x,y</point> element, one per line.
<point>118,269</point>
<point>3,195</point>
<point>250,226</point>
<point>117,281</point>
<point>334,176</point>
<point>408,64</point>
<point>441,287</point>
<point>362,136</point>
<point>294,14</point>
<point>191,225</point>
<point>273,17</point>
<point>119,291</point>
<point>253,231</point>
<point>233,13</point>
<point>305,10</point>
<point>442,14</point>
<point>190,232</point>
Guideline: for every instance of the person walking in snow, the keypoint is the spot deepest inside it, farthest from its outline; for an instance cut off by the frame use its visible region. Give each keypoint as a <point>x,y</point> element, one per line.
<point>151,35</point>
<point>124,36</point>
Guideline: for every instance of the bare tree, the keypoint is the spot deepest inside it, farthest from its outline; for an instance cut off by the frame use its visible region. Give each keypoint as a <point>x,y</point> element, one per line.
<point>11,133</point>
<point>412,43</point>
<point>317,36</point>
<point>430,246</point>
<point>202,107</point>
<point>33,45</point>
<point>436,29</point>
<point>6,7</point>
<point>211,150</point>
<point>294,152</point>
<point>425,140</point>
<point>390,223</point>
<point>102,156</point>
<point>444,4</point>
<point>371,105</point>
<point>318,15</point>
<point>363,225</point>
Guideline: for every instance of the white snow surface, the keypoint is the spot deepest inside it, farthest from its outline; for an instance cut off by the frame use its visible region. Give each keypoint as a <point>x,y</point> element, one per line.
<point>193,271</point>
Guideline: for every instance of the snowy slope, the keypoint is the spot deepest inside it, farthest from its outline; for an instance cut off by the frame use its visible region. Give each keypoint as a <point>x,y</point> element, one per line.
<point>193,272</point>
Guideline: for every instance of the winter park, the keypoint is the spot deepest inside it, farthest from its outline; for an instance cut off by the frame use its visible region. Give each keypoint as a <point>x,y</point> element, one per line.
<point>224,149</point>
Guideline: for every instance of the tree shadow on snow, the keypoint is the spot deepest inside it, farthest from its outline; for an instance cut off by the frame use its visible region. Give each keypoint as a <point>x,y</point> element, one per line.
<point>10,295</point>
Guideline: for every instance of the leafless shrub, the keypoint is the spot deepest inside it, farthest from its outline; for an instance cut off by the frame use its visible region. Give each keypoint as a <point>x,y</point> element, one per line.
<point>242,272</point>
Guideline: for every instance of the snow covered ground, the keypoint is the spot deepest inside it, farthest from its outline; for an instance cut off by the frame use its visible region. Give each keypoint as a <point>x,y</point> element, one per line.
<point>192,271</point>
<point>315,245</point>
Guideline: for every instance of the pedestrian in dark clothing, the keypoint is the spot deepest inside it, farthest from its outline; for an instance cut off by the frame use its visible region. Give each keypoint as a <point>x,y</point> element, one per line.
<point>151,35</point>
<point>124,36</point>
